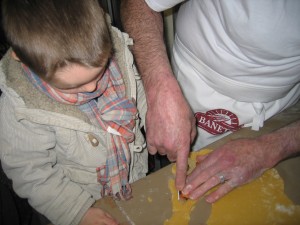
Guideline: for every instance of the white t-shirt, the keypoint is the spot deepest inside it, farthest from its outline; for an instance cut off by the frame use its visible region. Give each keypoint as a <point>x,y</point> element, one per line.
<point>240,56</point>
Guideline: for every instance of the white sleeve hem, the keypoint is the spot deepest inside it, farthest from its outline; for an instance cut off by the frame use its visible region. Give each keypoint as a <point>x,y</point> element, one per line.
<point>159,6</point>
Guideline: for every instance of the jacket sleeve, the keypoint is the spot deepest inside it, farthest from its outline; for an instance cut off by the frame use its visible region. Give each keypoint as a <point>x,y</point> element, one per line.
<point>28,158</point>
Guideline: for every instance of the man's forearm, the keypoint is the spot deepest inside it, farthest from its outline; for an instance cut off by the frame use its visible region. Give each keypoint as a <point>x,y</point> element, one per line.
<point>146,28</point>
<point>283,143</point>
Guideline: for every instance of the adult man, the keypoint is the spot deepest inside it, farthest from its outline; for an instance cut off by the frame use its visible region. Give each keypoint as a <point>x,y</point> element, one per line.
<point>238,64</point>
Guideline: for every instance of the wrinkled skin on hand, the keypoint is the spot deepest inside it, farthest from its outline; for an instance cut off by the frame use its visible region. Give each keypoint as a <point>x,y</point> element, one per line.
<point>96,216</point>
<point>240,161</point>
<point>170,126</point>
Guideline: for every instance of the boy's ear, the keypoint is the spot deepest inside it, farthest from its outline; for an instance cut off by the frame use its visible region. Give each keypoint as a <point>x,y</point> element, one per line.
<point>15,57</point>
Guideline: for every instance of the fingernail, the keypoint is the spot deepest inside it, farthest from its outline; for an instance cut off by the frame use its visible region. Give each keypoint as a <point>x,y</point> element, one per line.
<point>187,189</point>
<point>211,199</point>
<point>179,187</point>
<point>192,197</point>
<point>208,200</point>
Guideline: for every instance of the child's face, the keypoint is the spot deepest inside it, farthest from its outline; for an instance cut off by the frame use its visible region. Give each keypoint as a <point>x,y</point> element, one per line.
<point>76,78</point>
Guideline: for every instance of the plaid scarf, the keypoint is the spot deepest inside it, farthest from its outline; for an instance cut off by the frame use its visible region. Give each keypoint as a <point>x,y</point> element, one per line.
<point>108,108</point>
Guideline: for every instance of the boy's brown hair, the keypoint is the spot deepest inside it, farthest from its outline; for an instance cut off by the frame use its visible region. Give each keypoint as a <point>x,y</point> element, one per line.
<point>47,35</point>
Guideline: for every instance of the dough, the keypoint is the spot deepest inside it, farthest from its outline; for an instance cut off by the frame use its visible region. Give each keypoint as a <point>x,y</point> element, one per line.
<point>181,208</point>
<point>261,202</point>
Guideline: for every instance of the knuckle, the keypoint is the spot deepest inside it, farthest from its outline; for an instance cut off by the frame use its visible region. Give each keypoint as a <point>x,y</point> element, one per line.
<point>215,180</point>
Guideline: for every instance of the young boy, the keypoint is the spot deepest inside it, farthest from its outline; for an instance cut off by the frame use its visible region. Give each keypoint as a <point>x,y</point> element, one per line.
<point>69,123</point>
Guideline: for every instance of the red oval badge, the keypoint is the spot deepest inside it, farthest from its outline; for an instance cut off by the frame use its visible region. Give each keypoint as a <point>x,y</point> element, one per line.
<point>217,121</point>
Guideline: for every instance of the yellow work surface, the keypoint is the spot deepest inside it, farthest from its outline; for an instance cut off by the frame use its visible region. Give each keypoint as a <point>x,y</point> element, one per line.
<point>272,199</point>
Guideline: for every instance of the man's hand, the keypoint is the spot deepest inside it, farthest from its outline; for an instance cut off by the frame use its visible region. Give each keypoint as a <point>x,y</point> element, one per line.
<point>170,126</point>
<point>240,161</point>
<point>96,216</point>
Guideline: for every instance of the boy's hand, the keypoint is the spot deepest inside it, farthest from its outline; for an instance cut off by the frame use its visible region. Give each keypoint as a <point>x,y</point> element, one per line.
<point>96,216</point>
